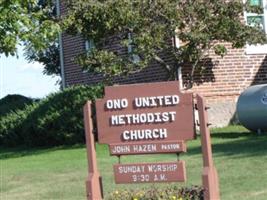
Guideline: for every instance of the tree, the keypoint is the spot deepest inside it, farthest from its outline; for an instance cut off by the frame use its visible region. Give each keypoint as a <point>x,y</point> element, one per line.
<point>200,25</point>
<point>25,23</point>
<point>49,56</point>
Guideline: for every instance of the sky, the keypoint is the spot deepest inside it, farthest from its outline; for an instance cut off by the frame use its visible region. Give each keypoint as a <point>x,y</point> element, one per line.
<point>17,76</point>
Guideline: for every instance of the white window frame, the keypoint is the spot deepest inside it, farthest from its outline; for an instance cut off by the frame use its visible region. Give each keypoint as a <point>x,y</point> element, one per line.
<point>257,49</point>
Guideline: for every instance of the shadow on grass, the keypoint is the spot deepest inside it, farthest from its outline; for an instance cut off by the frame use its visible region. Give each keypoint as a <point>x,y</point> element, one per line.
<point>6,153</point>
<point>236,135</point>
<point>241,144</point>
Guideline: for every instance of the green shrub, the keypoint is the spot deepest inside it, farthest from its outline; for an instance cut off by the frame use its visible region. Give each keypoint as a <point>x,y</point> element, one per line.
<point>169,193</point>
<point>55,120</point>
<point>13,102</point>
<point>11,125</point>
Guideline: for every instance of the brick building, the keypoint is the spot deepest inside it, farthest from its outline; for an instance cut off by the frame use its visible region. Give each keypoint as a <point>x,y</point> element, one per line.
<point>223,80</point>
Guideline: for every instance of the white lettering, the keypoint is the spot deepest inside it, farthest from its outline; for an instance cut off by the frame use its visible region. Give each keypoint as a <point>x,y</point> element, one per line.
<point>172,116</point>
<point>163,133</point>
<point>114,120</point>
<point>145,102</point>
<point>131,169</point>
<point>158,119</point>
<point>165,116</point>
<point>136,119</point>
<point>162,177</point>
<point>125,135</point>
<point>150,117</point>
<point>170,146</point>
<point>144,148</point>
<point>121,149</point>
<point>144,134</point>
<point>143,118</point>
<point>124,103</point>
<point>160,98</point>
<point>167,100</point>
<point>154,101</point>
<point>162,167</point>
<point>117,104</point>
<point>121,119</point>
<point>109,104</point>
<point>175,99</point>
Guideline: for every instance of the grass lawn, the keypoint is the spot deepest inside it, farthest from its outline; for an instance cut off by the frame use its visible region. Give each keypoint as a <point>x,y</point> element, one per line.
<point>59,173</point>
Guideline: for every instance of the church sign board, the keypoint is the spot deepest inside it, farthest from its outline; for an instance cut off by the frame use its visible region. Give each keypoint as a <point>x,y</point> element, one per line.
<point>148,118</point>
<point>145,118</point>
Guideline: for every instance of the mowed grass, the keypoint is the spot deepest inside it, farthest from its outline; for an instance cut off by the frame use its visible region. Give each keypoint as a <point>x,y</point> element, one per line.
<point>59,173</point>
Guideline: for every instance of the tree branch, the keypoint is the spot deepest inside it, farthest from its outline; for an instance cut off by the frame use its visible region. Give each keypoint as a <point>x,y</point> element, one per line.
<point>167,67</point>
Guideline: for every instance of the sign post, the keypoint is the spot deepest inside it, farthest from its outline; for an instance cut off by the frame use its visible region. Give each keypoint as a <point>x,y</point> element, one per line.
<point>151,118</point>
<point>209,174</point>
<point>94,189</point>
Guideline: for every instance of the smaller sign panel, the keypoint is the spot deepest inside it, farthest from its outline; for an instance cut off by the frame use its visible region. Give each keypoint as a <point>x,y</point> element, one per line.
<point>150,172</point>
<point>147,148</point>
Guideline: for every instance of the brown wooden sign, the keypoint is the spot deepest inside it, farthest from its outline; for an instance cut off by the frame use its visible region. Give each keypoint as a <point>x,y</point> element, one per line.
<point>148,119</point>
<point>147,148</point>
<point>150,172</point>
<point>145,112</point>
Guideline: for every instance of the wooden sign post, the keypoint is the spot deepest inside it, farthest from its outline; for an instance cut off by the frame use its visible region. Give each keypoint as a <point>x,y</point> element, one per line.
<point>209,174</point>
<point>94,190</point>
<point>148,118</point>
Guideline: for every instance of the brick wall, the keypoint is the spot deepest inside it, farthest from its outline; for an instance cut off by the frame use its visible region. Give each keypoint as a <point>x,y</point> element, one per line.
<point>73,46</point>
<point>230,75</point>
<point>226,79</point>
<point>221,82</point>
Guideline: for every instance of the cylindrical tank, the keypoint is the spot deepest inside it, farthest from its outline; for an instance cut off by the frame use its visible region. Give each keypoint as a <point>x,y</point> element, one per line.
<point>252,108</point>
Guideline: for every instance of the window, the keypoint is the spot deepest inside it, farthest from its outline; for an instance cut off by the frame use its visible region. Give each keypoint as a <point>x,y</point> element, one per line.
<point>255,19</point>
<point>89,44</point>
<point>135,58</point>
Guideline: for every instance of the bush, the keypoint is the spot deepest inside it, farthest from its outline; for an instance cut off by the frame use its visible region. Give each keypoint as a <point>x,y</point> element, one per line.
<point>55,120</point>
<point>169,193</point>
<point>13,102</point>
<point>11,126</point>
